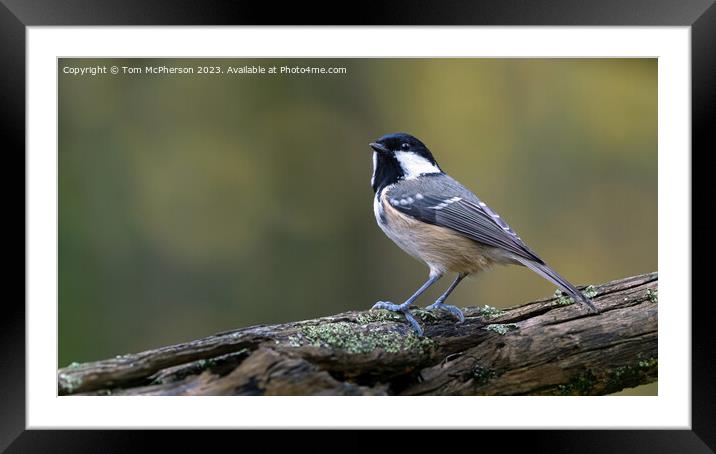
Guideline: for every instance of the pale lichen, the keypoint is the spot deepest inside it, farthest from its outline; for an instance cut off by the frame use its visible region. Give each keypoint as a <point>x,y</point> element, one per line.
<point>379,315</point>
<point>69,383</point>
<point>481,375</point>
<point>490,312</point>
<point>652,295</point>
<point>425,315</point>
<point>502,329</point>
<point>563,300</point>
<point>352,338</point>
<point>384,315</point>
<point>591,291</point>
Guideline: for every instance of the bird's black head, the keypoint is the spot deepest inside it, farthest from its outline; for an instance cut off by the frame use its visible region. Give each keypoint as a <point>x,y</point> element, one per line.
<point>400,156</point>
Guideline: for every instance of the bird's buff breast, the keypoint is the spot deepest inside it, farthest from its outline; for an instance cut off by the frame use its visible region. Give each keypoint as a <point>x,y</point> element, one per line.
<point>440,248</point>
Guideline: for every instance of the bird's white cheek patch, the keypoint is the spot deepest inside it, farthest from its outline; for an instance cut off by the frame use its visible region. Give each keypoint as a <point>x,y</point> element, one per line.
<point>414,165</point>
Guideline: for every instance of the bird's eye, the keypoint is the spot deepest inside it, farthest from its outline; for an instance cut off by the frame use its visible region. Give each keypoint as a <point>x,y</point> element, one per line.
<point>405,146</point>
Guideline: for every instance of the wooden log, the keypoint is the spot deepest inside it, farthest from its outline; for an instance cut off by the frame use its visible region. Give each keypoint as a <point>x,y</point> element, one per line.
<point>550,346</point>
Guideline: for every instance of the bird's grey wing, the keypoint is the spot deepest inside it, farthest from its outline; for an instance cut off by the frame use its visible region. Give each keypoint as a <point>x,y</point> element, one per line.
<point>460,210</point>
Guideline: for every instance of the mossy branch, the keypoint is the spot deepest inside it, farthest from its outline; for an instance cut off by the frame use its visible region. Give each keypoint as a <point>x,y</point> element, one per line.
<point>549,346</point>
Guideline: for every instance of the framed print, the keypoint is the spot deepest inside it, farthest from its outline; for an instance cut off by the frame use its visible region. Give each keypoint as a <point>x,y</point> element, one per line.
<point>225,204</point>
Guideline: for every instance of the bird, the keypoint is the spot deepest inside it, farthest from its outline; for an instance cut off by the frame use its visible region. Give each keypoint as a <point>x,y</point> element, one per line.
<point>440,222</point>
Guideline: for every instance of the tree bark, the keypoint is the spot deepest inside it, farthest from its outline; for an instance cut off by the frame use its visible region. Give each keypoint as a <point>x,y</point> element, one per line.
<point>550,346</point>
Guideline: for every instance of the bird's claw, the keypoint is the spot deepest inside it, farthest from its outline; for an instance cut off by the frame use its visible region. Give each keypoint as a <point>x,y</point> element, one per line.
<point>404,308</point>
<point>447,307</point>
<point>387,305</point>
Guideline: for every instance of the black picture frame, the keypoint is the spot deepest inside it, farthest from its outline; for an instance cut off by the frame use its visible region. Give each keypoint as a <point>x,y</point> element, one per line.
<point>16,15</point>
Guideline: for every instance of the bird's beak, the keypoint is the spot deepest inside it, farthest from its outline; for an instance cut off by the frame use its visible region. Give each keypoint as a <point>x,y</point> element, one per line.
<point>380,148</point>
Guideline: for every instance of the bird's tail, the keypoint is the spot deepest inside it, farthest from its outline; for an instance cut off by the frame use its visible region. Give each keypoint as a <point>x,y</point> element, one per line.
<point>552,276</point>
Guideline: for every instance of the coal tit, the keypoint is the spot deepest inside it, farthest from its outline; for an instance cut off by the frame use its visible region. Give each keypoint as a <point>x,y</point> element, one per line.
<point>440,222</point>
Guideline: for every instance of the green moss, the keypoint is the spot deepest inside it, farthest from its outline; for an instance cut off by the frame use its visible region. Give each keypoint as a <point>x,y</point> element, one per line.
<point>490,312</point>
<point>350,338</point>
<point>631,375</point>
<point>502,329</point>
<point>563,300</point>
<point>653,295</point>
<point>621,374</point>
<point>579,385</point>
<point>482,375</point>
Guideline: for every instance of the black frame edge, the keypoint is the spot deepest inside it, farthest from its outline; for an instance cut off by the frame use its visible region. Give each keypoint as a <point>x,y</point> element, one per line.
<point>376,12</point>
<point>12,321</point>
<point>703,112</point>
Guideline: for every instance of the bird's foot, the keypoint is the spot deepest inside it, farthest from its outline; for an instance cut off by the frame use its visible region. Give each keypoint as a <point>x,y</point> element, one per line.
<point>404,308</point>
<point>439,305</point>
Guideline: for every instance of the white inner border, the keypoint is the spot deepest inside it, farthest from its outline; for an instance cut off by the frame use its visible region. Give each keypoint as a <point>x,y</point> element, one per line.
<point>671,409</point>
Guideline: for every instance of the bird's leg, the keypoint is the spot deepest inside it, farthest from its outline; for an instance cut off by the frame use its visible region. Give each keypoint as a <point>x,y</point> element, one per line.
<point>439,304</point>
<point>405,307</point>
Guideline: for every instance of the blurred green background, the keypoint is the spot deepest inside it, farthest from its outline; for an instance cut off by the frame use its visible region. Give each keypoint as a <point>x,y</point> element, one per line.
<point>192,204</point>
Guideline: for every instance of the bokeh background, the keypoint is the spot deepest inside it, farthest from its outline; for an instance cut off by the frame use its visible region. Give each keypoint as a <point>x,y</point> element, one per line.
<point>193,204</point>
